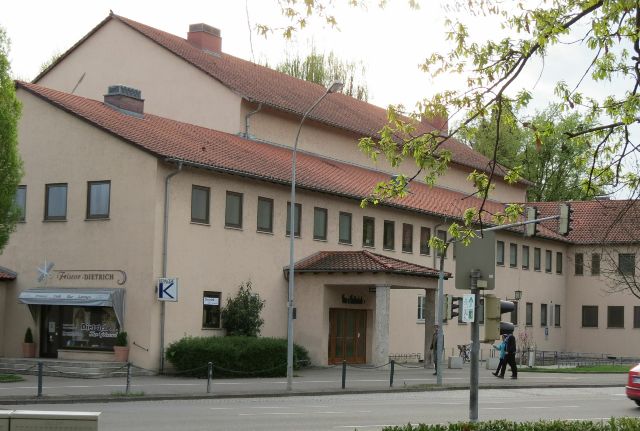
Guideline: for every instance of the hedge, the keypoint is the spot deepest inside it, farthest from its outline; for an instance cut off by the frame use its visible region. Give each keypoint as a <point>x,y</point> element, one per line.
<point>234,356</point>
<point>613,424</point>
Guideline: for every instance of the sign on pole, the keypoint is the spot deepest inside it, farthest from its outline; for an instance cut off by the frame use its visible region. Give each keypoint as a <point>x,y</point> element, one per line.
<point>468,308</point>
<point>167,289</point>
<point>480,254</point>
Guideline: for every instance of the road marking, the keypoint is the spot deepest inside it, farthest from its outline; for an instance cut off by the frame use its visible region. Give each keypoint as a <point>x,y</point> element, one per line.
<point>530,407</point>
<point>275,413</point>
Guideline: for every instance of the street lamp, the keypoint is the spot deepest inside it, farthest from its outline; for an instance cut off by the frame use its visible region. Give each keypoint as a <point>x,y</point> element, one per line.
<point>517,296</point>
<point>333,88</point>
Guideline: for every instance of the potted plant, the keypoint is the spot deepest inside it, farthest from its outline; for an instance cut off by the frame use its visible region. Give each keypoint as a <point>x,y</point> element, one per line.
<point>28,346</point>
<point>121,349</point>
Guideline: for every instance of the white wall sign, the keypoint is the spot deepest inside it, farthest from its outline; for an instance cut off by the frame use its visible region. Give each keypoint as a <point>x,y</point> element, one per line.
<point>468,308</point>
<point>211,301</point>
<point>167,289</point>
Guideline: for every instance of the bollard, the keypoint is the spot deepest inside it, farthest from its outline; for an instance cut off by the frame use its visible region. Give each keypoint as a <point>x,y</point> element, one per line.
<point>39,379</point>
<point>209,375</point>
<point>393,365</point>
<point>344,373</point>
<point>128,378</point>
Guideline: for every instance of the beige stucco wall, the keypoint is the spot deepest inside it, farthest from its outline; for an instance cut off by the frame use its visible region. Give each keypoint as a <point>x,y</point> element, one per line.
<point>3,316</point>
<point>170,86</point>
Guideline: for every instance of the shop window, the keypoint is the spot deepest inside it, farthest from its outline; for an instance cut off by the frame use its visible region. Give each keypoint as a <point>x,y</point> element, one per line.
<point>368,231</point>
<point>525,257</point>
<point>513,255</point>
<point>589,316</point>
<point>595,264</point>
<point>55,206</point>
<point>265,215</point>
<point>89,328</point>
<point>500,253</point>
<point>211,310</point>
<point>536,259</point>
<point>548,257</point>
<point>579,264</point>
<point>425,236</point>
<point>627,264</point>
<point>296,219</point>
<point>319,223</point>
<point>543,314</point>
<point>200,204</point>
<point>344,228</point>
<point>615,316</point>
<point>389,235</point>
<point>407,238</point>
<point>529,314</point>
<point>233,210</point>
<point>21,202</point>
<point>556,311</point>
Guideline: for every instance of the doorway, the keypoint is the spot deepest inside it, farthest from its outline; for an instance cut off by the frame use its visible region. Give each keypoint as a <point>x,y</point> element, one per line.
<point>347,336</point>
<point>50,330</point>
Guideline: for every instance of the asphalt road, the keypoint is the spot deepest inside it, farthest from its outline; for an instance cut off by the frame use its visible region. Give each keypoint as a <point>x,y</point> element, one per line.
<point>356,411</point>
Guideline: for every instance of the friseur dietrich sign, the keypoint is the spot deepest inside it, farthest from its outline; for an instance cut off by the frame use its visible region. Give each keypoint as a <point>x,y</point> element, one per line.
<point>100,275</point>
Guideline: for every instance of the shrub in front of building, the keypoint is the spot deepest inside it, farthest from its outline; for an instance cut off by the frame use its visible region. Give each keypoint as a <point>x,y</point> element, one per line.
<point>613,424</point>
<point>241,316</point>
<point>234,356</point>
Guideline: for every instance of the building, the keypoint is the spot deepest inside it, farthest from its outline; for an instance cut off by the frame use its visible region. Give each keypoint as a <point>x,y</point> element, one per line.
<point>193,182</point>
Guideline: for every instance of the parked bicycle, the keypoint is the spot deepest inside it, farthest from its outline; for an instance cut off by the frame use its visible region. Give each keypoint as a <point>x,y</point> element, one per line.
<point>465,352</point>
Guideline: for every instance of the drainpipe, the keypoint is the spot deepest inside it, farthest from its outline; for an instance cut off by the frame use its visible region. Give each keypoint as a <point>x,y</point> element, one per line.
<point>165,235</point>
<point>246,120</point>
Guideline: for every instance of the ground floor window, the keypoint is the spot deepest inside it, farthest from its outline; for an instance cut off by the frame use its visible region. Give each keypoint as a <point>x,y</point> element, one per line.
<point>615,316</point>
<point>636,317</point>
<point>589,316</point>
<point>89,327</point>
<point>421,306</point>
<point>211,310</point>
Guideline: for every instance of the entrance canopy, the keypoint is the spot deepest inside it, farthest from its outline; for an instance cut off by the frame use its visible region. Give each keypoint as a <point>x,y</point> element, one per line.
<point>78,297</point>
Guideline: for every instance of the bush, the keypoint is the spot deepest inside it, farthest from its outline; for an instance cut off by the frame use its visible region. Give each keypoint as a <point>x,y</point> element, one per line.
<point>241,316</point>
<point>121,339</point>
<point>28,336</point>
<point>613,424</point>
<point>234,356</point>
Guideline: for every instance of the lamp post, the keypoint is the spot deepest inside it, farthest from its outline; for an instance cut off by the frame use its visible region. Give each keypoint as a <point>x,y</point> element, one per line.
<point>333,88</point>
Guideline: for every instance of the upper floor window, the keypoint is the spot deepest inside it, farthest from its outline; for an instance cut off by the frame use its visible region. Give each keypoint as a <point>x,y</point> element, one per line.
<point>615,316</point>
<point>500,253</point>
<point>536,258</point>
<point>407,238</point>
<point>442,234</point>
<point>579,264</point>
<point>368,231</point>
<point>627,264</point>
<point>513,255</point>
<point>525,257</point>
<point>21,202</point>
<point>200,204</point>
<point>425,236</point>
<point>529,314</point>
<point>595,264</point>
<point>265,215</point>
<point>296,219</point>
<point>548,256</point>
<point>98,199</point>
<point>388,242</point>
<point>344,228</point>
<point>55,206</point>
<point>319,223</point>
<point>558,263</point>
<point>233,210</point>
<point>589,316</point>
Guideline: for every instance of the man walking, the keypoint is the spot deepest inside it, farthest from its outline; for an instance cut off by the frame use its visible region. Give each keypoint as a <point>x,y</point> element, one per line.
<point>510,357</point>
<point>434,347</point>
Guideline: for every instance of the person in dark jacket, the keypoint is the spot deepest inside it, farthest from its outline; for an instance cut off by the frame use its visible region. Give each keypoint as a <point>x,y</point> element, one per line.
<point>510,357</point>
<point>434,347</point>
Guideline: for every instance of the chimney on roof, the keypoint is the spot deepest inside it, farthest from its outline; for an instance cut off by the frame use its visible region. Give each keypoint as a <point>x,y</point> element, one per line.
<point>125,99</point>
<point>205,37</point>
<point>439,122</point>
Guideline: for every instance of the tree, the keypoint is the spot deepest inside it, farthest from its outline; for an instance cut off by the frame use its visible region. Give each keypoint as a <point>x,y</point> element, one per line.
<point>241,316</point>
<point>324,69</point>
<point>10,163</point>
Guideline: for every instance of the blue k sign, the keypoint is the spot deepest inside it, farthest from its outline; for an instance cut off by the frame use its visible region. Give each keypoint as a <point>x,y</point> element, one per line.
<point>167,289</point>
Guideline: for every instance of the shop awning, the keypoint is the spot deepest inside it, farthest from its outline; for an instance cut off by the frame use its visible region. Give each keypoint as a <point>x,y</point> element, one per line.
<point>76,296</point>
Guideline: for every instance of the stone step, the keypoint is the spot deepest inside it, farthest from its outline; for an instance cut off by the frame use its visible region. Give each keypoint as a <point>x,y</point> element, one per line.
<point>71,369</point>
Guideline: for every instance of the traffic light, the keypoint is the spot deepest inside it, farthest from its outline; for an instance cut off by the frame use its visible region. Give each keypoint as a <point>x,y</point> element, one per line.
<point>531,229</point>
<point>493,309</point>
<point>566,217</point>
<point>453,306</point>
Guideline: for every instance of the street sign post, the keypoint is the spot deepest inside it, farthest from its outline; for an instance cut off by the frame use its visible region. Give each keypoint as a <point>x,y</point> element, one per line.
<point>167,289</point>
<point>480,254</point>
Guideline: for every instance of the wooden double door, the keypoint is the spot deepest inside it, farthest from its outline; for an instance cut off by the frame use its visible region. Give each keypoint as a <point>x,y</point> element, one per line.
<point>347,336</point>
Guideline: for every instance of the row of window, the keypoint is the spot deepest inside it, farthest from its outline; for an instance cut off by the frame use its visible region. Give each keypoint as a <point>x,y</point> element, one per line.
<point>615,316</point>
<point>55,200</point>
<point>200,213</point>
<point>537,256</point>
<point>626,264</point>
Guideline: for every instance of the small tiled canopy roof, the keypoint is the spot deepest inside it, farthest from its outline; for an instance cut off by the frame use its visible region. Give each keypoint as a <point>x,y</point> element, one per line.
<point>360,261</point>
<point>6,274</point>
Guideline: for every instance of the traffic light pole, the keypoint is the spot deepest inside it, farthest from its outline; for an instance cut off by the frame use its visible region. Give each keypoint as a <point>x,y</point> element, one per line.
<point>475,349</point>
<point>439,318</point>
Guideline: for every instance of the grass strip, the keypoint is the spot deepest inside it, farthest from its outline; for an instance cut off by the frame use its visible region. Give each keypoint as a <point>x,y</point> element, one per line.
<point>9,378</point>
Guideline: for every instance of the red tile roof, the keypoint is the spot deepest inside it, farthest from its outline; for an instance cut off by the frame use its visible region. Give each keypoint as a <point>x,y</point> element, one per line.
<point>360,261</point>
<point>6,274</point>
<point>261,84</point>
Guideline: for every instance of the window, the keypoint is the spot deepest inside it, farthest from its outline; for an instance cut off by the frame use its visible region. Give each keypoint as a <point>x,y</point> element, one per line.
<point>296,219</point>
<point>548,256</point>
<point>636,316</point>
<point>211,310</point>
<point>442,234</point>
<point>421,307</point>
<point>407,238</point>
<point>98,199</point>
<point>525,257</point>
<point>500,253</point>
<point>529,314</point>
<point>543,314</point>
<point>55,206</point>
<point>344,228</point>
<point>388,242</point>
<point>319,223</point>
<point>199,204</point>
<point>21,201</point>
<point>481,312</point>
<point>558,263</point>
<point>425,236</point>
<point>627,264</point>
<point>589,316</point>
<point>233,211</point>
<point>514,313</point>
<point>265,215</point>
<point>595,264</point>
<point>513,255</point>
<point>536,259</point>
<point>368,232</point>
<point>615,316</point>
<point>579,264</point>
<point>556,315</point>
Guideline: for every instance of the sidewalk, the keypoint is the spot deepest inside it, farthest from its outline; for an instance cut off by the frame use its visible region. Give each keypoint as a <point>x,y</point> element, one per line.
<point>314,381</point>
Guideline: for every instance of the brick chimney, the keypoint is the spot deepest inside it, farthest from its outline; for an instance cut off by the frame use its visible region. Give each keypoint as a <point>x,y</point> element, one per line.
<point>205,37</point>
<point>125,99</point>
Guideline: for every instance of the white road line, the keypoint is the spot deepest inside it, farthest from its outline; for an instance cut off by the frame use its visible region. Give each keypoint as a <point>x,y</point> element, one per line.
<point>530,407</point>
<point>275,413</point>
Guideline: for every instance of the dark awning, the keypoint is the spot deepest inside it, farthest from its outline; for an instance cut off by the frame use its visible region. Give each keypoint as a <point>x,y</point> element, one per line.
<point>76,296</point>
